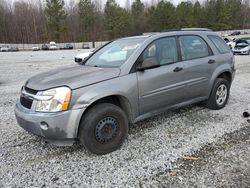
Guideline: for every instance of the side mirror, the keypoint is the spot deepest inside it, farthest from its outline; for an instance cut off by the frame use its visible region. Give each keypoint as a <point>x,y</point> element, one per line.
<point>148,63</point>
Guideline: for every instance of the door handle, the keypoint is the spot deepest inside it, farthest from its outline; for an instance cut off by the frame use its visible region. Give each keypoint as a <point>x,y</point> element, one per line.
<point>211,61</point>
<point>178,69</point>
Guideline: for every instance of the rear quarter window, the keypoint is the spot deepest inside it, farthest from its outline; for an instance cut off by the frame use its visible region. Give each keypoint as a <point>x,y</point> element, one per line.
<point>220,44</point>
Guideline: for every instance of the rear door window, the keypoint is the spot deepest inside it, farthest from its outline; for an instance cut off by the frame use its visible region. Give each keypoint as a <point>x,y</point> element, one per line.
<point>220,44</point>
<point>193,47</point>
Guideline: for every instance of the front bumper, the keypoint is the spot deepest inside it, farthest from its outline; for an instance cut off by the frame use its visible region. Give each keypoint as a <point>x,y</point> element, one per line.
<point>238,52</point>
<point>58,128</point>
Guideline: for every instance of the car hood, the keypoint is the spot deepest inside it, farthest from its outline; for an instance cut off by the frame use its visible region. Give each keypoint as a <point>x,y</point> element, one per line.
<point>242,48</point>
<point>74,76</point>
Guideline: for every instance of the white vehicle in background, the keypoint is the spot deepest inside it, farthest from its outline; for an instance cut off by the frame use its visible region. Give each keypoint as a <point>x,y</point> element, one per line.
<point>5,48</point>
<point>35,48</point>
<point>242,46</point>
<point>230,43</point>
<point>80,57</point>
<point>52,46</point>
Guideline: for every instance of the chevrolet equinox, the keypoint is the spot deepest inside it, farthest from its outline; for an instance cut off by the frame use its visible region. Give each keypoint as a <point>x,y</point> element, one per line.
<point>123,82</point>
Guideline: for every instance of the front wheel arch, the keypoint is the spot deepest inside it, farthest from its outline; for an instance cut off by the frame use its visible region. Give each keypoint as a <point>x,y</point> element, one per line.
<point>93,121</point>
<point>118,100</point>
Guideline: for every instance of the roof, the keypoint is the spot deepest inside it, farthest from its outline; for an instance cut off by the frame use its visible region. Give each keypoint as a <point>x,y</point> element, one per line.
<point>147,35</point>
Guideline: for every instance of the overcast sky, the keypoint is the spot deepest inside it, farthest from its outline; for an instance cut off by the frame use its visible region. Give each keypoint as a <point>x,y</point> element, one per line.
<point>123,2</point>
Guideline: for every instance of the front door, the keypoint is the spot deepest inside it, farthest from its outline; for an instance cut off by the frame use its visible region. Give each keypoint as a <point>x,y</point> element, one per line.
<point>163,86</point>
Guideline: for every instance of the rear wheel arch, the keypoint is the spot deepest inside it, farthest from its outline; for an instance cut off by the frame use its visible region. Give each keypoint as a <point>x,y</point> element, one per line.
<point>226,75</point>
<point>216,94</point>
<point>220,72</point>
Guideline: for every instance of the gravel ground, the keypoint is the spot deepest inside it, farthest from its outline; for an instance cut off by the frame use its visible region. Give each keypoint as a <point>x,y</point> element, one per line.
<point>190,147</point>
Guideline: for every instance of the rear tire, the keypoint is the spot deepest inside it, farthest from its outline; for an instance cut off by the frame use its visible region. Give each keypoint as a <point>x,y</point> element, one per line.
<point>219,95</point>
<point>103,128</point>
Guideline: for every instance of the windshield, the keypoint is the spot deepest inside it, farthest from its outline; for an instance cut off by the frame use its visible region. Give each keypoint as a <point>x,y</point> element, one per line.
<point>242,44</point>
<point>115,53</point>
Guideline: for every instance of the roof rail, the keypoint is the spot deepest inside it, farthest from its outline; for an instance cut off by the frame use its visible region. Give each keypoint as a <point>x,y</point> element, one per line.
<point>187,29</point>
<point>196,29</point>
<point>150,33</point>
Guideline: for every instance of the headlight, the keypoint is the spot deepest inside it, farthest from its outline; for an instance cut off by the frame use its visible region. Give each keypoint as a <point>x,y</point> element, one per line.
<point>58,100</point>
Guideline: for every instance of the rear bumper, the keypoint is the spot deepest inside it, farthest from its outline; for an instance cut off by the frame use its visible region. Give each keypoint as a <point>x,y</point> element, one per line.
<point>58,128</point>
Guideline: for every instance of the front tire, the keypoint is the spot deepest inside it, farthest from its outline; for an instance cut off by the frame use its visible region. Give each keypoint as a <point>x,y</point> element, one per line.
<point>219,95</point>
<point>103,128</point>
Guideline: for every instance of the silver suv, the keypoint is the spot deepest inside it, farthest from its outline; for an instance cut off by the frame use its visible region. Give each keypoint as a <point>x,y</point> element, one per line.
<point>123,82</point>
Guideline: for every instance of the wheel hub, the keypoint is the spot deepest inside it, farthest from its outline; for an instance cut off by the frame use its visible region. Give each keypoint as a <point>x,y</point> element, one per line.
<point>106,129</point>
<point>221,94</point>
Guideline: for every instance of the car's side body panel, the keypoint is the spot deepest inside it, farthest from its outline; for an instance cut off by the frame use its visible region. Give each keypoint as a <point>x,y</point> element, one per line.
<point>160,87</point>
<point>124,86</point>
<point>198,76</point>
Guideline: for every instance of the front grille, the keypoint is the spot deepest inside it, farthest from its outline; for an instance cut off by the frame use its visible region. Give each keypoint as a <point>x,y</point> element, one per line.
<point>26,102</point>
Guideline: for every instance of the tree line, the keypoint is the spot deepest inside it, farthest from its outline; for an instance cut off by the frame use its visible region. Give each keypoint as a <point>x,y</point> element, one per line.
<point>39,21</point>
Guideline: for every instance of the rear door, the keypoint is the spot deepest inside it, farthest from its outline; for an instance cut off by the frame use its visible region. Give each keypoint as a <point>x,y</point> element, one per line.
<point>165,85</point>
<point>224,54</point>
<point>199,64</point>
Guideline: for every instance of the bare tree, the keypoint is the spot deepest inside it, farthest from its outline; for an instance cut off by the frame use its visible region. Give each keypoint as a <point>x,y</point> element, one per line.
<point>28,21</point>
<point>246,14</point>
<point>72,21</point>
